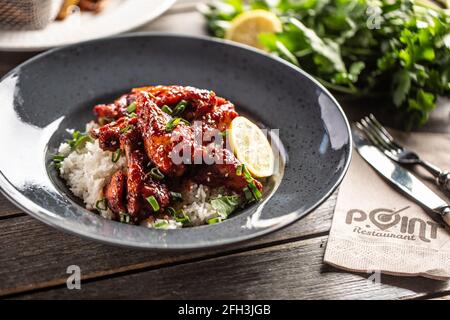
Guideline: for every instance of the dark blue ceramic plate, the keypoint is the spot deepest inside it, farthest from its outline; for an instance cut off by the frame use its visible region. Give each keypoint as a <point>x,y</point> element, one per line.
<point>57,89</point>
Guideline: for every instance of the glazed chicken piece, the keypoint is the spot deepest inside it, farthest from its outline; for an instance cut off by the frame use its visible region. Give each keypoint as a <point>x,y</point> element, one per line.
<point>222,171</point>
<point>152,137</point>
<point>106,113</point>
<point>158,190</point>
<point>114,193</point>
<point>111,135</point>
<point>202,105</point>
<point>200,101</point>
<point>135,180</point>
<point>161,144</point>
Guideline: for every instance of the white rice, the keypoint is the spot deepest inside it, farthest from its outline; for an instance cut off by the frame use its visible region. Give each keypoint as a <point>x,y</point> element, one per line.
<point>197,203</point>
<point>88,169</point>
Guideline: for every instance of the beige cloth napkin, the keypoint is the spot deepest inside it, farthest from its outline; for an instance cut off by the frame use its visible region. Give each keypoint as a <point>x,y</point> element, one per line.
<point>376,228</point>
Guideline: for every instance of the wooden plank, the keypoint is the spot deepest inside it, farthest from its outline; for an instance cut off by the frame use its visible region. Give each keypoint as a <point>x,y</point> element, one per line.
<point>7,208</point>
<point>34,255</point>
<point>289,271</point>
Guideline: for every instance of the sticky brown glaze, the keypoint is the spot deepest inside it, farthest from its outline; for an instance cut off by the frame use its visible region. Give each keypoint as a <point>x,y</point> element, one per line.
<point>222,171</point>
<point>146,141</point>
<point>159,190</point>
<point>135,179</point>
<point>200,101</point>
<point>158,142</point>
<point>111,135</point>
<point>106,113</point>
<point>115,192</point>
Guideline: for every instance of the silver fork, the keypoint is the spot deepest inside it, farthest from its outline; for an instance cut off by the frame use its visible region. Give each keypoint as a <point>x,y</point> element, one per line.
<point>381,138</point>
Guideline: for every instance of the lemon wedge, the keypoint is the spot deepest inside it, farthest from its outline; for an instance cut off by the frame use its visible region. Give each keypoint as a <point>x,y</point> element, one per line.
<point>247,26</point>
<point>251,147</point>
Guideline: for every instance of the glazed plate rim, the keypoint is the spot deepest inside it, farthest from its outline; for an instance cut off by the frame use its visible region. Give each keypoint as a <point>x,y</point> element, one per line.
<point>48,217</point>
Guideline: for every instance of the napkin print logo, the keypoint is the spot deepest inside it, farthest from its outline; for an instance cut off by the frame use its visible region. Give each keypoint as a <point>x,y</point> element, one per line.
<point>385,218</point>
<point>386,221</point>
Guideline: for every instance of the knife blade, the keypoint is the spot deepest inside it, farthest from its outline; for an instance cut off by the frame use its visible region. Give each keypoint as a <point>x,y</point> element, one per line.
<point>400,177</point>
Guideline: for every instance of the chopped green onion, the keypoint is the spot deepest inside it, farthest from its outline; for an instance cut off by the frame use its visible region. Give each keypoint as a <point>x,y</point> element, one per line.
<point>104,120</point>
<point>255,191</point>
<point>132,115</point>
<point>132,107</point>
<point>155,173</point>
<point>101,204</point>
<point>124,217</point>
<point>116,155</point>
<point>161,224</point>
<point>174,122</point>
<point>239,170</point>
<point>180,107</point>
<point>171,211</point>
<point>214,220</point>
<point>154,203</point>
<point>248,194</point>
<point>182,217</point>
<point>57,160</point>
<point>179,216</point>
<point>78,140</point>
<point>248,177</point>
<point>126,129</point>
<point>176,196</point>
<point>166,109</point>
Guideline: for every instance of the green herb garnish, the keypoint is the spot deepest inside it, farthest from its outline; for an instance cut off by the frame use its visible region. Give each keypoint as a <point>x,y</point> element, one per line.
<point>127,129</point>
<point>116,155</point>
<point>78,140</point>
<point>215,220</point>
<point>156,174</point>
<point>251,192</point>
<point>179,215</point>
<point>248,194</point>
<point>395,51</point>
<point>124,217</point>
<point>161,224</point>
<point>154,203</point>
<point>132,107</point>
<point>176,196</point>
<point>255,191</point>
<point>174,122</point>
<point>101,204</point>
<point>179,108</point>
<point>225,205</point>
<point>166,109</point>
<point>57,160</point>
<point>239,170</point>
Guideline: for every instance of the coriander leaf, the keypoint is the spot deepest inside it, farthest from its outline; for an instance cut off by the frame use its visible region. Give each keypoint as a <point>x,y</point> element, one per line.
<point>225,205</point>
<point>401,85</point>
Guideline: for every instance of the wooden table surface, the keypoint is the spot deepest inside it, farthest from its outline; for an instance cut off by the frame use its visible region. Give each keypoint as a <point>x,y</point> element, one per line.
<point>287,264</point>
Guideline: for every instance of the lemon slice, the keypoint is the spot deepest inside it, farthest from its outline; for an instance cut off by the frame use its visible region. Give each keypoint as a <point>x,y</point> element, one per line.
<point>250,145</point>
<point>246,27</point>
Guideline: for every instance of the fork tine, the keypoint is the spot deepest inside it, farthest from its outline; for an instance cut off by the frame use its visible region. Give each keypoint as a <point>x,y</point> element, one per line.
<point>373,136</point>
<point>376,131</point>
<point>364,129</point>
<point>385,132</point>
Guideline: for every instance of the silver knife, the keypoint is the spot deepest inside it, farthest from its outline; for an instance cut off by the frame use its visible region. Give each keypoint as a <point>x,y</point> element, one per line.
<point>400,177</point>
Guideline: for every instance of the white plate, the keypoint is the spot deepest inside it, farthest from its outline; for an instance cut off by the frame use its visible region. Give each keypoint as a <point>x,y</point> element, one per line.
<point>117,17</point>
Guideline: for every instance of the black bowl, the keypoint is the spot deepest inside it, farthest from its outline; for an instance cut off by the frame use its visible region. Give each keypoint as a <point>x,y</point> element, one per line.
<point>57,89</point>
